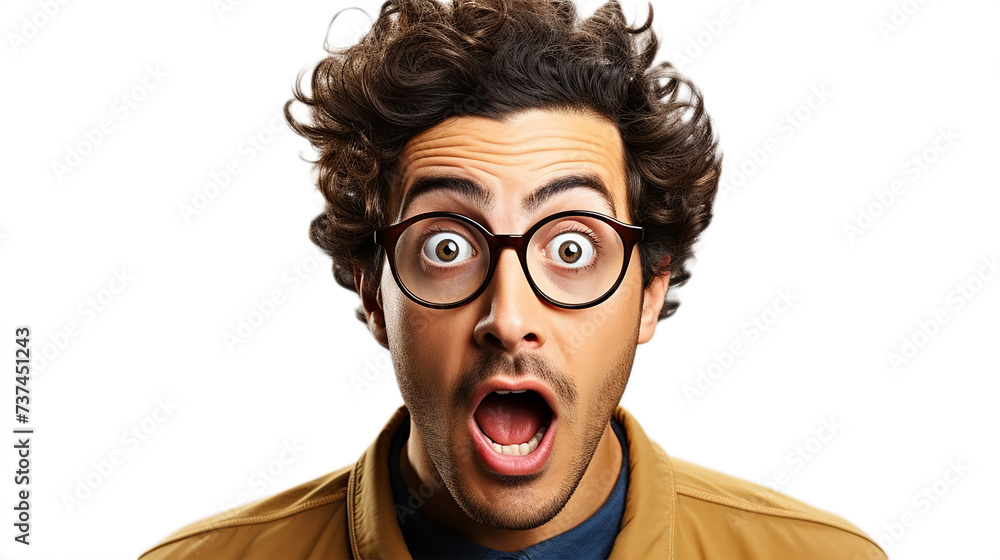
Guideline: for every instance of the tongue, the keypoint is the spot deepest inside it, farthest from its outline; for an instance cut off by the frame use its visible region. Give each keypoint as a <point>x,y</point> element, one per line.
<point>512,418</point>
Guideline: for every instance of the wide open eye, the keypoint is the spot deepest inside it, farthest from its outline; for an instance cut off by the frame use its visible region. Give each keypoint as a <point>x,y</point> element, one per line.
<point>571,249</point>
<point>447,248</point>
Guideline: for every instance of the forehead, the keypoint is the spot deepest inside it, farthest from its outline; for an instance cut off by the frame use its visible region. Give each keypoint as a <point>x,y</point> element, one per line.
<point>520,165</point>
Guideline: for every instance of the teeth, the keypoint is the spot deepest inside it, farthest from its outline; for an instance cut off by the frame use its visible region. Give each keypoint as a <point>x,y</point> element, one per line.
<point>519,448</point>
<point>519,391</point>
<point>501,392</point>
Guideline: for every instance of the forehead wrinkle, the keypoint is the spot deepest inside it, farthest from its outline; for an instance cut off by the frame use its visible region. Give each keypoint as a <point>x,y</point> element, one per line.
<point>504,142</point>
<point>498,150</point>
<point>531,160</point>
<point>533,155</point>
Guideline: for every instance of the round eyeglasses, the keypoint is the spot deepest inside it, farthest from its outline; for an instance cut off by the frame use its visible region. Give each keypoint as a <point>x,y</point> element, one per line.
<point>572,259</point>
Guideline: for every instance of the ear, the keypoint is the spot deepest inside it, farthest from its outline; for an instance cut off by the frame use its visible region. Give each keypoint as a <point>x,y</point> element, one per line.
<point>372,306</point>
<point>652,303</point>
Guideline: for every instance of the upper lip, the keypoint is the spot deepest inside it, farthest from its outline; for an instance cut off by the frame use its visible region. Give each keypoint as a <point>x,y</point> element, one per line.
<point>502,383</point>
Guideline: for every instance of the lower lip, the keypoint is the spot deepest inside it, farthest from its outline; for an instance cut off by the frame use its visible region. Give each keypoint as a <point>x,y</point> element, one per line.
<point>513,465</point>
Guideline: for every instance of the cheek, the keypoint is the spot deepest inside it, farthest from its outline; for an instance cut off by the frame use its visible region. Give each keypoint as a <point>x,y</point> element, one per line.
<point>595,343</point>
<point>630,294</point>
<point>425,344</point>
<point>611,323</point>
<point>600,342</point>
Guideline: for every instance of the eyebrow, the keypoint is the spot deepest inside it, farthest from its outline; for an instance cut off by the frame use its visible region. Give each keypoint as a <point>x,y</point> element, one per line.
<point>465,187</point>
<point>484,197</point>
<point>560,184</point>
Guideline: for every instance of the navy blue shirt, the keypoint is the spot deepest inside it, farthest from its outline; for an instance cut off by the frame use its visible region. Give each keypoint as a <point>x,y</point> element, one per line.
<point>592,539</point>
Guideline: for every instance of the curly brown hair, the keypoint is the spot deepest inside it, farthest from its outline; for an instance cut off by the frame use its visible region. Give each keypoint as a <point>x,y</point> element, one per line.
<point>424,61</point>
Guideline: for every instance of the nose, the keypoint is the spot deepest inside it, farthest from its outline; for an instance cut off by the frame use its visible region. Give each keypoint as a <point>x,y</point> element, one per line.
<point>514,321</point>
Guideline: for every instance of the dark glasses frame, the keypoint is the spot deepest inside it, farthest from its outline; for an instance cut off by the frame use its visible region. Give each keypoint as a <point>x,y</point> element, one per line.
<point>629,234</point>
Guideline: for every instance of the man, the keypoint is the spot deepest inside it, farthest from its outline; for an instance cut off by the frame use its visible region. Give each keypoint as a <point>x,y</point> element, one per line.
<point>501,177</point>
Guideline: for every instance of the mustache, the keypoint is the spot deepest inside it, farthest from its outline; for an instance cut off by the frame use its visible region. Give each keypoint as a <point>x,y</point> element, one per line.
<point>521,365</point>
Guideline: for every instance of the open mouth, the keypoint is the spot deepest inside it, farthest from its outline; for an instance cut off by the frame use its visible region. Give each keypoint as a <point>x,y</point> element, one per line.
<point>513,430</point>
<point>514,421</point>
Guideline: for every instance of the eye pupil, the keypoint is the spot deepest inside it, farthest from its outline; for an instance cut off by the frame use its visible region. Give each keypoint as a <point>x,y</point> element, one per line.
<point>447,250</point>
<point>569,251</point>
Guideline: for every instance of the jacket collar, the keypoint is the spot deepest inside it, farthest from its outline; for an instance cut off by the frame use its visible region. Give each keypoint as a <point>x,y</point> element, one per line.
<point>647,525</point>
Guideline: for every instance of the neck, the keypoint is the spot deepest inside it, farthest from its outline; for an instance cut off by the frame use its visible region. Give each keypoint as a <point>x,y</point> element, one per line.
<point>593,490</point>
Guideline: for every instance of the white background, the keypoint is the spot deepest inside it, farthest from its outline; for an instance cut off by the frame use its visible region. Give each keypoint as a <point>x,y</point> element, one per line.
<point>215,78</point>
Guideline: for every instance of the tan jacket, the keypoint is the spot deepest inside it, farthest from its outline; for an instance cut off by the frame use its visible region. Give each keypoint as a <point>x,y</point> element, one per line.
<point>673,509</point>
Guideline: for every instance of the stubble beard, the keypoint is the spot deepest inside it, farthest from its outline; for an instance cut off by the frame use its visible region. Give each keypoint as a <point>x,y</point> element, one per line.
<point>520,512</point>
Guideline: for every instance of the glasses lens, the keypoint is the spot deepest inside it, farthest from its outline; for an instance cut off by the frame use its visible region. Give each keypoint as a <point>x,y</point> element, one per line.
<point>575,259</point>
<point>442,260</point>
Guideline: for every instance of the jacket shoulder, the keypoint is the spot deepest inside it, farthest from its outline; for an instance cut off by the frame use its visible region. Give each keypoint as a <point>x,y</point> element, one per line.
<point>720,515</point>
<point>312,516</point>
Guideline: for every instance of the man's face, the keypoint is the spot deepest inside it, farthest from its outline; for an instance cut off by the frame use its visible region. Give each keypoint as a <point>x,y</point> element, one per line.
<point>579,359</point>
